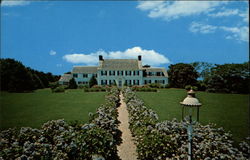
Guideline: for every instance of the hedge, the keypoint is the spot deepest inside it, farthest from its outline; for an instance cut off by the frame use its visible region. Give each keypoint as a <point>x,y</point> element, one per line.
<point>157,140</point>
<point>59,140</point>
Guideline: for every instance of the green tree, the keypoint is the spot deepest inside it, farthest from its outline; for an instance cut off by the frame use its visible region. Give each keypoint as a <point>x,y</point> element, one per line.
<point>230,78</point>
<point>203,69</point>
<point>72,84</point>
<point>15,77</point>
<point>182,74</point>
<point>92,81</point>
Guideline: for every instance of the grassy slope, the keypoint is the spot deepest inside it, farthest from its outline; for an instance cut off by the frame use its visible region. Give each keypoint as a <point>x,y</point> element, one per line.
<point>33,109</point>
<point>230,111</point>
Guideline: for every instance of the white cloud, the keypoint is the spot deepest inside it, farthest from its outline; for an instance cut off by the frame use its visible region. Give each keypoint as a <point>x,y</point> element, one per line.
<point>52,52</point>
<point>148,5</point>
<point>150,57</point>
<point>202,28</point>
<point>89,59</point>
<point>237,33</point>
<point>170,10</point>
<point>225,13</point>
<point>11,3</point>
<point>173,10</point>
<point>245,15</point>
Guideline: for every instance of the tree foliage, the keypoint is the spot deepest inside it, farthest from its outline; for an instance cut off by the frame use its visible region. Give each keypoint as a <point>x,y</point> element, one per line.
<point>92,81</point>
<point>229,78</point>
<point>15,77</point>
<point>203,69</point>
<point>181,74</point>
<point>72,84</point>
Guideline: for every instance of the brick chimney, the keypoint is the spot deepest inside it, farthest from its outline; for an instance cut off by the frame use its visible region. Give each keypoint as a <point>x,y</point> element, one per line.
<point>100,58</point>
<point>139,58</point>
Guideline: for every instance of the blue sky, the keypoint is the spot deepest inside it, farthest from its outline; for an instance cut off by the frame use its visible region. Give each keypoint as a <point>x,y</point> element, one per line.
<point>53,36</point>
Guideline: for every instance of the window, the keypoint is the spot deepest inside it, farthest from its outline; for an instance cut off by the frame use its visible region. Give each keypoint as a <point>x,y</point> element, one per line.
<point>103,73</point>
<point>145,82</point>
<point>75,75</point>
<point>138,82</point>
<point>84,75</point>
<point>159,73</point>
<point>104,82</point>
<point>118,73</point>
<point>65,83</point>
<point>111,73</point>
<point>122,73</point>
<point>160,81</point>
<point>126,82</point>
<point>134,82</point>
<point>138,73</point>
<point>130,82</point>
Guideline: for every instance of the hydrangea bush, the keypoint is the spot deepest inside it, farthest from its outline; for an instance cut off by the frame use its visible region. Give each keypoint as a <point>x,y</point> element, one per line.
<point>59,140</point>
<point>168,139</point>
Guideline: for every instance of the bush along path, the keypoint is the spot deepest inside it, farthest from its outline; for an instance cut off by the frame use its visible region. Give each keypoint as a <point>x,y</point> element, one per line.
<point>127,149</point>
<point>57,139</point>
<point>168,139</point>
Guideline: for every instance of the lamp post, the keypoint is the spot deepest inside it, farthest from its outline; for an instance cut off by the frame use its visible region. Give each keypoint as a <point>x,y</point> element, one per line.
<point>189,105</point>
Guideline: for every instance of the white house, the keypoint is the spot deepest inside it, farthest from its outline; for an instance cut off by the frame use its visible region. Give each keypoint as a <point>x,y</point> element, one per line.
<point>118,71</point>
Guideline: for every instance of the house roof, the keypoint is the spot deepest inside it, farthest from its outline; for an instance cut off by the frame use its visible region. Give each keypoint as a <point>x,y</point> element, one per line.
<point>84,69</point>
<point>120,64</point>
<point>157,70</point>
<point>65,77</point>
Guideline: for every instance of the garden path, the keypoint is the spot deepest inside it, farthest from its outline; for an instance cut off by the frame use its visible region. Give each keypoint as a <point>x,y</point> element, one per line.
<point>127,149</point>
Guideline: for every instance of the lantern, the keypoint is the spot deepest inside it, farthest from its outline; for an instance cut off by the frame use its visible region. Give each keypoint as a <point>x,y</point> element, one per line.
<point>190,106</point>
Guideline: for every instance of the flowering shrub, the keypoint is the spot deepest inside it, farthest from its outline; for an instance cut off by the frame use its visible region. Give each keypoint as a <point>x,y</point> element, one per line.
<point>144,88</point>
<point>97,88</point>
<point>168,139</point>
<point>58,89</point>
<point>59,140</point>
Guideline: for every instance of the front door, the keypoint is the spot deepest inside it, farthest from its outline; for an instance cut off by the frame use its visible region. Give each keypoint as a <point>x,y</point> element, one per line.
<point>120,84</point>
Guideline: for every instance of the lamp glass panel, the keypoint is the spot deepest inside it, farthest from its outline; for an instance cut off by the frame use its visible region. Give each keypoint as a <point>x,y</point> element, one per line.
<point>190,111</point>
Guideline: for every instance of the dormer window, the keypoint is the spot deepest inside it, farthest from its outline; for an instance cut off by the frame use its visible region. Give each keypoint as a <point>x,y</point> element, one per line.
<point>75,75</point>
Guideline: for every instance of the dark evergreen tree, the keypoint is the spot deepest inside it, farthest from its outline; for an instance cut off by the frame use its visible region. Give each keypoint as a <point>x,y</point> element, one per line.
<point>181,75</point>
<point>92,81</point>
<point>15,77</point>
<point>229,78</point>
<point>72,84</point>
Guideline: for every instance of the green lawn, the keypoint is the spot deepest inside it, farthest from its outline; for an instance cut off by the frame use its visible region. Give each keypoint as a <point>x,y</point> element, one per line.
<point>33,109</point>
<point>230,111</point>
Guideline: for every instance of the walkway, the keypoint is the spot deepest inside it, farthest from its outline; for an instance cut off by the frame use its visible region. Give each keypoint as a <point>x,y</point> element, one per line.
<point>127,149</point>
